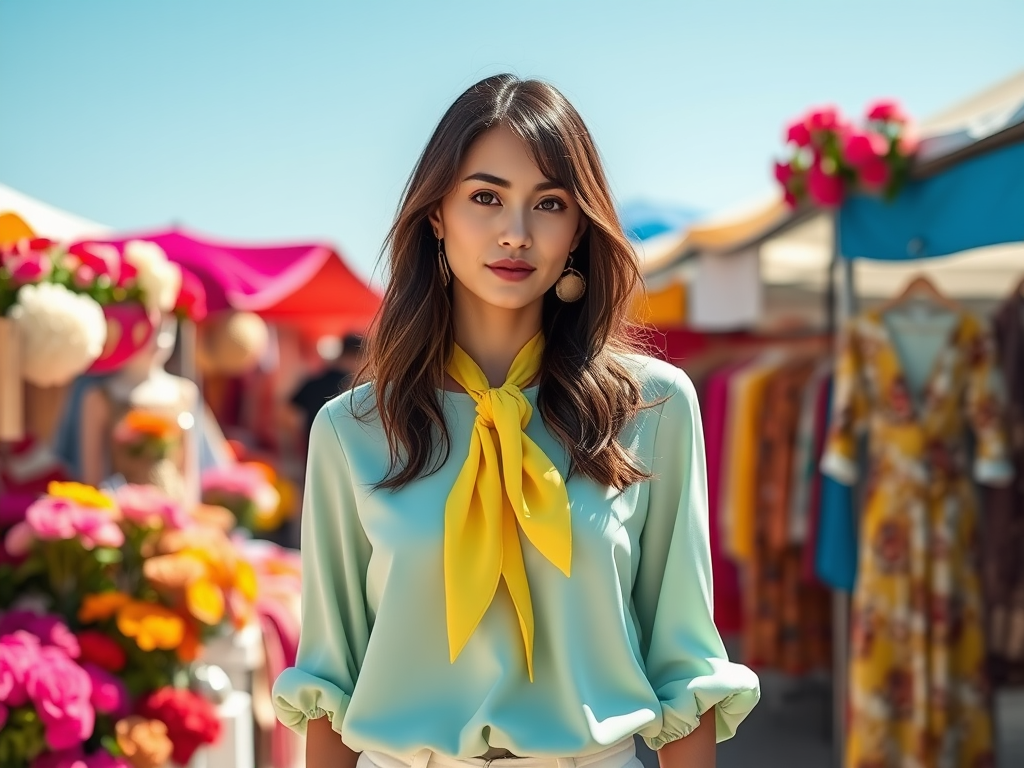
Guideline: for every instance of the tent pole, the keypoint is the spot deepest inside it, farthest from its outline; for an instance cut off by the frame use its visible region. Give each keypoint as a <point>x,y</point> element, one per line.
<point>841,310</point>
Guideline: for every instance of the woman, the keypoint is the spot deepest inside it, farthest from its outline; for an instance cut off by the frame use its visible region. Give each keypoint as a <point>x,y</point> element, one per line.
<point>504,539</point>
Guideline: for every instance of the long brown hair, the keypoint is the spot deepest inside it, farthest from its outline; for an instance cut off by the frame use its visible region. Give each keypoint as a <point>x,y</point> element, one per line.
<point>586,395</point>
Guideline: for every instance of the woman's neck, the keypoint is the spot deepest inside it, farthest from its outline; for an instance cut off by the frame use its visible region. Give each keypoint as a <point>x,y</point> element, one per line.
<point>493,336</point>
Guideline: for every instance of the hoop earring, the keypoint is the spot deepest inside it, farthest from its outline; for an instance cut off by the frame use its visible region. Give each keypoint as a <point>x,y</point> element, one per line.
<point>442,265</point>
<point>570,286</point>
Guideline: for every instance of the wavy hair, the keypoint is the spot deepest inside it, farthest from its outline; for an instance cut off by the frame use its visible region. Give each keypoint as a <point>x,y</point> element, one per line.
<point>587,395</point>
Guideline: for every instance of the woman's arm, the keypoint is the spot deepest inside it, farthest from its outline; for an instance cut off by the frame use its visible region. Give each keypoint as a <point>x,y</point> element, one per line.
<point>325,748</point>
<point>694,751</point>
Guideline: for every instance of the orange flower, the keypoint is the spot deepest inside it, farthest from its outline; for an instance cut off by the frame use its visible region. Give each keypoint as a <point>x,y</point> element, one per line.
<point>152,626</point>
<point>85,495</point>
<point>173,572</point>
<point>144,743</point>
<point>245,580</point>
<point>101,606</point>
<point>205,601</point>
<point>212,516</point>
<point>190,646</point>
<point>150,424</point>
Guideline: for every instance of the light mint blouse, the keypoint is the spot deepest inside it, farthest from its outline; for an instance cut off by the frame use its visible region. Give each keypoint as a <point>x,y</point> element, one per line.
<point>624,646</point>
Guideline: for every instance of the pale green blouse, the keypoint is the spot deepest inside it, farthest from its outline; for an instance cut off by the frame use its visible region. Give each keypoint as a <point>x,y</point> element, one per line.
<point>624,646</point>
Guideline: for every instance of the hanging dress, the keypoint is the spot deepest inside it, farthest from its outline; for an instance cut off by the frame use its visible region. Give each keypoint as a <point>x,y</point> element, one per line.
<point>919,696</point>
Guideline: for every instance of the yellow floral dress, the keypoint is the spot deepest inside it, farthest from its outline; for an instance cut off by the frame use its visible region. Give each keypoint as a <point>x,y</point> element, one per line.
<point>919,697</point>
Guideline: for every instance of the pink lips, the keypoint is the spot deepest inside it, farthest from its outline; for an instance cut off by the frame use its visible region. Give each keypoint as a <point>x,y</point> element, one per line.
<point>512,270</point>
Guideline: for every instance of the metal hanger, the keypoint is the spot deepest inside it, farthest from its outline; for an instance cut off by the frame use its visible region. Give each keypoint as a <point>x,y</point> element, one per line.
<point>920,287</point>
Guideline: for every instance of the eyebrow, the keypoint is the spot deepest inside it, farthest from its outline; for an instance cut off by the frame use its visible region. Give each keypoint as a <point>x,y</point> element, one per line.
<point>500,182</point>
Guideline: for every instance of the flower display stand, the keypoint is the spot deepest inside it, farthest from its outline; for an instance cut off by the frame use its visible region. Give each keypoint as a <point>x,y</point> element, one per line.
<point>239,654</point>
<point>235,748</point>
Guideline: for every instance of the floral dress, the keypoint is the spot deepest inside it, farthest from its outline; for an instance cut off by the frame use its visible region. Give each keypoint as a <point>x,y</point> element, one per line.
<point>919,697</point>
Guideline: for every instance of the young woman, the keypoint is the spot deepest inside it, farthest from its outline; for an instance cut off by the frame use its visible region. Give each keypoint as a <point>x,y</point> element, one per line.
<point>504,534</point>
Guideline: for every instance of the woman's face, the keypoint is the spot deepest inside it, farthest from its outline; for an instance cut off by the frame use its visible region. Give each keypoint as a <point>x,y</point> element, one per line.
<point>507,228</point>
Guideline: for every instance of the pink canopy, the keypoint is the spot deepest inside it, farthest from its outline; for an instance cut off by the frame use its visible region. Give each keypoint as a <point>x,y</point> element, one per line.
<point>308,286</point>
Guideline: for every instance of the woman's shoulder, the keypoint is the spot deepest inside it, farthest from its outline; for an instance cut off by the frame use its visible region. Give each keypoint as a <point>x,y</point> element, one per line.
<point>659,380</point>
<point>351,414</point>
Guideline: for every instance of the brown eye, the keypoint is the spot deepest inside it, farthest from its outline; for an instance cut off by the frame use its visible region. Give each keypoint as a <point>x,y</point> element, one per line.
<point>552,204</point>
<point>485,198</point>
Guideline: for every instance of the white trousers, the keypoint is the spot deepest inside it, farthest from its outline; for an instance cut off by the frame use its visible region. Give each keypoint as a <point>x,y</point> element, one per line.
<point>621,755</point>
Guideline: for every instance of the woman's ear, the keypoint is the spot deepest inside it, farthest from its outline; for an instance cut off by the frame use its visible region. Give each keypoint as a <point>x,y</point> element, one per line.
<point>437,222</point>
<point>580,230</point>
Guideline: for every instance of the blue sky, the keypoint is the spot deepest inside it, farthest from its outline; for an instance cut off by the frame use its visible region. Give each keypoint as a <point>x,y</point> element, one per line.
<point>254,120</point>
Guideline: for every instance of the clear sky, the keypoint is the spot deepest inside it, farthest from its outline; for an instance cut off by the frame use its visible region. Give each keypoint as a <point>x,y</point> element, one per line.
<point>296,119</point>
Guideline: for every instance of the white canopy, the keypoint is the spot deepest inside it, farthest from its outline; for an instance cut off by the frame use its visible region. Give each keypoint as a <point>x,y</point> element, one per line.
<point>46,220</point>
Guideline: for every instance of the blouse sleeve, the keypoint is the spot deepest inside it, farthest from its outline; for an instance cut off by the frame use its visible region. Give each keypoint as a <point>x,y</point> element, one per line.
<point>686,661</point>
<point>849,413</point>
<point>986,410</point>
<point>335,555</point>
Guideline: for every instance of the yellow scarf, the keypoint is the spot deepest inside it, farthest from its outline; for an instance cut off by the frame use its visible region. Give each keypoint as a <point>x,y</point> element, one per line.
<point>506,477</point>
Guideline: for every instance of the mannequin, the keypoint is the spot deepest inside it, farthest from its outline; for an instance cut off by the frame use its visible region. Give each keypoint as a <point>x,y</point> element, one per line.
<point>142,386</point>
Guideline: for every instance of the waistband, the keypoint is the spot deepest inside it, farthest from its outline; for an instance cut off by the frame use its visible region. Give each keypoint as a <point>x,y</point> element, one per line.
<point>427,758</point>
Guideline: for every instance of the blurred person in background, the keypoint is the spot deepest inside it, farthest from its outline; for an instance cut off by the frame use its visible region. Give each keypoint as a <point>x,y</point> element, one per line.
<point>504,532</point>
<point>341,364</point>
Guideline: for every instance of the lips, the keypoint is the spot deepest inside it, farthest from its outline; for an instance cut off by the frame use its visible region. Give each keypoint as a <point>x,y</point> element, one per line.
<point>511,269</point>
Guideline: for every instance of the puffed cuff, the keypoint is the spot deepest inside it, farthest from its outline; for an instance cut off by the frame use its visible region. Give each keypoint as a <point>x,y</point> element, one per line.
<point>730,689</point>
<point>997,473</point>
<point>839,468</point>
<point>300,697</point>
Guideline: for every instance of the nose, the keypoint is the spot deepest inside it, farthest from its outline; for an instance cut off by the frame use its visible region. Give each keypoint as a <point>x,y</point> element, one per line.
<point>515,232</point>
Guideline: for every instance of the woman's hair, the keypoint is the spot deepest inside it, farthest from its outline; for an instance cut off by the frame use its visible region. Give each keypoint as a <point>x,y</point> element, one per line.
<point>586,395</point>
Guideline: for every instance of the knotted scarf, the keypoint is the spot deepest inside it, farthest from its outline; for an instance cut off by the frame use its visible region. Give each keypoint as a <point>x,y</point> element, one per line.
<point>506,479</point>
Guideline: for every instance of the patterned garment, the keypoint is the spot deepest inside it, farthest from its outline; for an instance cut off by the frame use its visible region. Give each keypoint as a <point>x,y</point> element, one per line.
<point>1003,566</point>
<point>787,622</point>
<point>919,697</point>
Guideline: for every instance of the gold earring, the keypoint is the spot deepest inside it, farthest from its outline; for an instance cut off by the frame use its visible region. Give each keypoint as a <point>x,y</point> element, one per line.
<point>570,286</point>
<point>442,265</point>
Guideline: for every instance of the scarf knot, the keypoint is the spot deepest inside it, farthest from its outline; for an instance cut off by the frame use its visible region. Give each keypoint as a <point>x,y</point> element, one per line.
<point>506,485</point>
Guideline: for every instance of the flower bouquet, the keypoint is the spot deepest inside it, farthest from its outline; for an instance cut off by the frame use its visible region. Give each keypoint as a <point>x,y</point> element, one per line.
<point>830,157</point>
<point>248,490</point>
<point>114,596</point>
<point>88,306</point>
<point>147,435</point>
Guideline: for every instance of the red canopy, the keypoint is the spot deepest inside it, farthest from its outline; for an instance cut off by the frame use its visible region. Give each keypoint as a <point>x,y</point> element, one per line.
<point>307,286</point>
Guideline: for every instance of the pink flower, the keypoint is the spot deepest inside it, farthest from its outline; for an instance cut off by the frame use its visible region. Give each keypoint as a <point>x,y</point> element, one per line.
<point>146,506</point>
<point>783,173</point>
<point>50,630</point>
<point>19,540</point>
<point>95,528</point>
<point>824,119</point>
<point>887,110</point>
<point>191,302</point>
<point>61,519</point>
<point>52,519</point>
<point>861,148</point>
<point>102,259</point>
<point>128,275</point>
<point>109,694</point>
<point>237,479</point>
<point>798,133</point>
<point>791,199</point>
<point>61,692</point>
<point>3,714</point>
<point>825,189</point>
<point>874,174</point>
<point>84,277</point>
<point>18,652</point>
<point>30,268</point>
